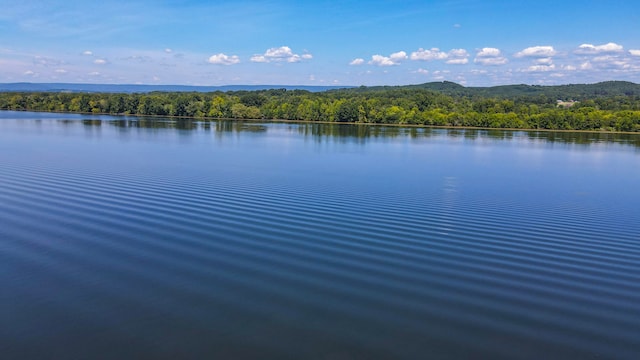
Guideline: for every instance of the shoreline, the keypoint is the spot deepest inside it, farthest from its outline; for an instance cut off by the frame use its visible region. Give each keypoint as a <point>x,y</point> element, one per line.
<point>210,119</point>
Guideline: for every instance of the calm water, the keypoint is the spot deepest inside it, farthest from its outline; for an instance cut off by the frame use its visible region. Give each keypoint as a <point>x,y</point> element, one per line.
<point>137,238</point>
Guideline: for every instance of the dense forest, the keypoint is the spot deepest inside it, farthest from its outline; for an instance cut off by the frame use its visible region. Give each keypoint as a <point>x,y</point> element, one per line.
<point>608,106</point>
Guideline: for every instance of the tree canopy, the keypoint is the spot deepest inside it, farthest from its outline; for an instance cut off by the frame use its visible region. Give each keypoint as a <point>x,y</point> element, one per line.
<point>611,106</point>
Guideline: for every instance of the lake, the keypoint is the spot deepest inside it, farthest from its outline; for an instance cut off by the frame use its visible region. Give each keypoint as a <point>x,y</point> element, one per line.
<point>124,237</point>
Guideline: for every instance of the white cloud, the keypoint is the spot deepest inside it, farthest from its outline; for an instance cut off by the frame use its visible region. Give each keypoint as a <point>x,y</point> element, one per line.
<point>492,61</point>
<point>604,59</point>
<point>611,62</point>
<point>29,72</point>
<point>391,60</point>
<point>259,59</point>
<point>458,53</point>
<point>488,52</point>
<point>358,61</point>
<point>454,56</point>
<point>222,59</point>
<point>294,59</point>
<point>429,54</point>
<point>490,56</point>
<point>457,61</point>
<point>621,64</point>
<point>609,57</point>
<point>586,66</point>
<point>422,71</point>
<point>61,71</point>
<point>99,61</point>
<point>94,73</point>
<point>398,56</point>
<point>168,51</point>
<point>380,60</point>
<point>597,49</point>
<point>458,57</point>
<point>87,53</point>
<point>280,54</point>
<point>544,61</point>
<point>541,68</point>
<point>569,68</point>
<point>440,75</point>
<point>537,51</point>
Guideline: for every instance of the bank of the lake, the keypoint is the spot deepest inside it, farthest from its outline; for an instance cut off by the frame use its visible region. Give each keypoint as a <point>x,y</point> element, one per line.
<point>601,108</point>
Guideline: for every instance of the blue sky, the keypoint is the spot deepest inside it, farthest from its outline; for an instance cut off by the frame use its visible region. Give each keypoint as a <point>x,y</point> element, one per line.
<point>472,42</point>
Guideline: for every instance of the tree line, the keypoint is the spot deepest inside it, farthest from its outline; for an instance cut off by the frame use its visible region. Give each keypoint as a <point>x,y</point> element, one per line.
<point>387,105</point>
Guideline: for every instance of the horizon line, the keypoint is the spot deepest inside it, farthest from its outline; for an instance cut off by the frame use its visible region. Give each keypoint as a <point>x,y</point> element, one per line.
<point>307,85</point>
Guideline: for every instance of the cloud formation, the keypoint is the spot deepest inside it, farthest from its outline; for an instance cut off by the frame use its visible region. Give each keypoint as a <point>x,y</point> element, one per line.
<point>454,56</point>
<point>535,64</point>
<point>391,60</point>
<point>598,49</point>
<point>223,59</point>
<point>488,52</point>
<point>427,55</point>
<point>544,61</point>
<point>280,54</point>
<point>540,68</point>
<point>457,57</point>
<point>611,62</point>
<point>537,51</point>
<point>490,56</point>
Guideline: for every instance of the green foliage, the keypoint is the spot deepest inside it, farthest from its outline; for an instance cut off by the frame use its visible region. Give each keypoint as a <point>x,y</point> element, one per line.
<point>606,106</point>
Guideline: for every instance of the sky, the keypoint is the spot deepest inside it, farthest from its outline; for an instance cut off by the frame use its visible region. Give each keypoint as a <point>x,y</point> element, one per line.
<point>319,42</point>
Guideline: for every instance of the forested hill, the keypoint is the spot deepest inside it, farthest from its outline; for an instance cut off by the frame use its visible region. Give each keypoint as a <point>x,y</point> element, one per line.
<point>558,92</point>
<point>604,106</point>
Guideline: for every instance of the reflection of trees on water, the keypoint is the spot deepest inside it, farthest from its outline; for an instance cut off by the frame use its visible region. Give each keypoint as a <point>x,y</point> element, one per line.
<point>359,133</point>
<point>179,124</point>
<point>344,133</point>
<point>237,126</point>
<point>585,138</point>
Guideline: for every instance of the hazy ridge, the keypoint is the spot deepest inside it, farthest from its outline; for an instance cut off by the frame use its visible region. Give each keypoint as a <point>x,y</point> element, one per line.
<point>569,91</point>
<point>136,88</point>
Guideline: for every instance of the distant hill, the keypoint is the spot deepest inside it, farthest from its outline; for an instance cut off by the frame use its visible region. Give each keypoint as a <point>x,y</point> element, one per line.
<point>555,92</point>
<point>564,92</point>
<point>113,88</point>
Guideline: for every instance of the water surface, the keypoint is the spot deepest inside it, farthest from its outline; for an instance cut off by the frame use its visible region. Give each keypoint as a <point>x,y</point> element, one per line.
<point>126,237</point>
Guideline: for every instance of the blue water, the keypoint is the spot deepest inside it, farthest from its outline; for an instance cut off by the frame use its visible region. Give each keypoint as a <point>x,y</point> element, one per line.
<point>125,237</point>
